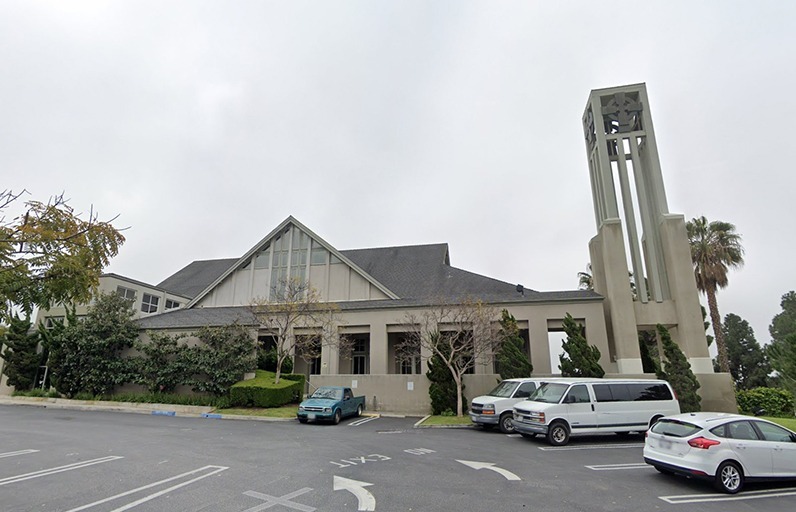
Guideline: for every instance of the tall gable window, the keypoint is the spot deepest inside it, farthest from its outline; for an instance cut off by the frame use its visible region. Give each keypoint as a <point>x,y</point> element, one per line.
<point>149,304</point>
<point>289,257</point>
<point>319,255</point>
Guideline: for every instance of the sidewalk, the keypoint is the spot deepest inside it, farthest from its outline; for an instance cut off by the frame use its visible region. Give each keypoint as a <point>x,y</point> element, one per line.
<point>192,411</point>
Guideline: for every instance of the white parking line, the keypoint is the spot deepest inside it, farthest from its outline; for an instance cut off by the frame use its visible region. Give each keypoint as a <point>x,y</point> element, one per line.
<point>216,469</point>
<point>590,447</point>
<point>619,467</point>
<point>362,421</point>
<point>14,454</point>
<point>60,469</point>
<point>748,495</point>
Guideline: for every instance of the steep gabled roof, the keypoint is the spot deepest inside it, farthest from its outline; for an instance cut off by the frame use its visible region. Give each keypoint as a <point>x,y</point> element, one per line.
<point>424,271</point>
<point>190,280</point>
<point>243,260</point>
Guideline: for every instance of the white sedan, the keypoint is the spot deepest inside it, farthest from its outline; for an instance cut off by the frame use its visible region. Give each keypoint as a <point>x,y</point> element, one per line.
<point>728,449</point>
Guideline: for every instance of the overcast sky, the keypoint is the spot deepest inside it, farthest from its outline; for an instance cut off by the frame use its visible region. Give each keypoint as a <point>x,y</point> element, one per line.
<point>203,125</point>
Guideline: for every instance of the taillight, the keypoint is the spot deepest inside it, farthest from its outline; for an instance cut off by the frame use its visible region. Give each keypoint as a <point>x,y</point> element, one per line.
<point>702,443</point>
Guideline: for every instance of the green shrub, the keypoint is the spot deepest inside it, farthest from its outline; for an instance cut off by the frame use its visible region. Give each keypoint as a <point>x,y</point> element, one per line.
<point>262,392</point>
<point>168,398</point>
<point>84,396</point>
<point>267,359</point>
<point>776,402</point>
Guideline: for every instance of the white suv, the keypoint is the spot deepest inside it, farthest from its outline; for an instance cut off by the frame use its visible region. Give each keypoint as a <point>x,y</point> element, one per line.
<point>495,408</point>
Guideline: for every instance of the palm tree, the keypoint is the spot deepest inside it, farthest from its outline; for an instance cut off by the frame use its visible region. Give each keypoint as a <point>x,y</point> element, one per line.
<point>715,248</point>
<point>585,279</point>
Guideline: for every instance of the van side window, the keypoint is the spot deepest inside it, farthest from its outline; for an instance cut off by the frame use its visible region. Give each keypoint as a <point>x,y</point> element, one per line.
<point>525,390</point>
<point>578,395</point>
<point>602,393</point>
<point>650,392</point>
<point>620,392</point>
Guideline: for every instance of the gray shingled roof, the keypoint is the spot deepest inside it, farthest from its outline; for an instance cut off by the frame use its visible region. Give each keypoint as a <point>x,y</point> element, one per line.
<point>198,317</point>
<point>423,271</point>
<point>195,277</point>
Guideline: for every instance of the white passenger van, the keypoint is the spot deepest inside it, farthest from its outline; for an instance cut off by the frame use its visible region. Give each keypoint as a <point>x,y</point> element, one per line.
<point>496,407</point>
<point>565,407</point>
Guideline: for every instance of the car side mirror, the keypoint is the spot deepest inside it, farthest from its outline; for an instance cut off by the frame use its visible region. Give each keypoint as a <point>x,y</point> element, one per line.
<point>793,438</point>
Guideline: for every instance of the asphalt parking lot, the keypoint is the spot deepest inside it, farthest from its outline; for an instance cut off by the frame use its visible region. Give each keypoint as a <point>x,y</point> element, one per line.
<point>64,460</point>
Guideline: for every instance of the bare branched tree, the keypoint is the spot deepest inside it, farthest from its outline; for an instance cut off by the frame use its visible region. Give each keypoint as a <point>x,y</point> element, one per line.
<point>298,320</point>
<point>461,335</point>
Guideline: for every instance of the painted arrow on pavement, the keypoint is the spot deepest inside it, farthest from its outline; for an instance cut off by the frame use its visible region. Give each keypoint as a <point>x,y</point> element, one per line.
<point>365,499</point>
<point>490,466</point>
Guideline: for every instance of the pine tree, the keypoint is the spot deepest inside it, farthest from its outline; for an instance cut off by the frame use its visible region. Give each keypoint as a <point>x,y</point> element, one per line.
<point>677,370</point>
<point>648,347</point>
<point>512,362</point>
<point>749,366</point>
<point>579,358</point>
<point>21,354</point>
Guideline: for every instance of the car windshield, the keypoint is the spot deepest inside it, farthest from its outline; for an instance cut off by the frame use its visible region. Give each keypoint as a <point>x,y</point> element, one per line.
<point>505,389</point>
<point>549,393</point>
<point>335,394</point>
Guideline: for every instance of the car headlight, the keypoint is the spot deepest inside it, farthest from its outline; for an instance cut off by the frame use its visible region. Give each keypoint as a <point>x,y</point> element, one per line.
<point>488,409</point>
<point>327,409</point>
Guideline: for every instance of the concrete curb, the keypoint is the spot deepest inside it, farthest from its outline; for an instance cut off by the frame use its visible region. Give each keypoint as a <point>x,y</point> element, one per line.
<point>190,411</point>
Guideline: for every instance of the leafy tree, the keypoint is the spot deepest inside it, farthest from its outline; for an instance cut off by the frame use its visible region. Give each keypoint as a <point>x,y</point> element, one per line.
<point>469,337</point>
<point>715,248</point>
<point>294,304</point>
<point>677,370</point>
<point>784,323</point>
<point>85,356</point>
<point>511,360</point>
<point>749,365</point>
<point>49,255</point>
<point>162,365</point>
<point>21,353</point>
<point>579,358</point>
<point>267,358</point>
<point>442,390</point>
<point>224,356</point>
<point>782,354</point>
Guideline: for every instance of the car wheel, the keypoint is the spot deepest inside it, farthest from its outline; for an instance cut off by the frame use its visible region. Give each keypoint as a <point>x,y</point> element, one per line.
<point>558,434</point>
<point>506,425</point>
<point>359,411</point>
<point>337,416</point>
<point>302,420</point>
<point>528,436</point>
<point>729,477</point>
<point>662,470</point>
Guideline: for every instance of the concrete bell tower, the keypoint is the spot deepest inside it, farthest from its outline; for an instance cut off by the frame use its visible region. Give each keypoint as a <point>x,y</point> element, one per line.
<point>634,223</point>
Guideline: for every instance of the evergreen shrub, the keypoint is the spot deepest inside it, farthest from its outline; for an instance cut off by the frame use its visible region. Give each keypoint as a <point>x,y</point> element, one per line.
<point>262,392</point>
<point>775,402</point>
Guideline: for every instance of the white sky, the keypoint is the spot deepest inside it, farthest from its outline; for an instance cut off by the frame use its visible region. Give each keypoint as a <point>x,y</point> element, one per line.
<point>204,124</point>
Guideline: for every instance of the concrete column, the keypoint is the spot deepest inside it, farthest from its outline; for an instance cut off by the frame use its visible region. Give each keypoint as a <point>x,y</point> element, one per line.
<point>690,327</point>
<point>540,345</point>
<point>378,349</point>
<point>618,298</point>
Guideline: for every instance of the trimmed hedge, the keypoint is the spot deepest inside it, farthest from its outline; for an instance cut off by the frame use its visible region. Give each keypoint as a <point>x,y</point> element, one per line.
<point>776,402</point>
<point>262,392</point>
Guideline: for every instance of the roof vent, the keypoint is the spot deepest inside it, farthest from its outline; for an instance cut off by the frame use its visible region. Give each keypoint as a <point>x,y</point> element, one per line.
<point>521,290</point>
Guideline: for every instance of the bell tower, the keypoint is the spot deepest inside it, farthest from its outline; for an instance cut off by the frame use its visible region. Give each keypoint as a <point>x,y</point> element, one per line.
<point>637,238</point>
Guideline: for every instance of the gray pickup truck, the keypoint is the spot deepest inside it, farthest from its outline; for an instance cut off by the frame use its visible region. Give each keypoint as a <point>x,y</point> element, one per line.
<point>330,403</point>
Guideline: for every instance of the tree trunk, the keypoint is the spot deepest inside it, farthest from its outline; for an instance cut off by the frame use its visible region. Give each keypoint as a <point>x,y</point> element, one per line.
<point>715,318</point>
<point>458,379</point>
<point>279,361</point>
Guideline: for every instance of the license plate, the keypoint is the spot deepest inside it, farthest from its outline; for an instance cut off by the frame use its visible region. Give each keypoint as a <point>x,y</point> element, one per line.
<point>311,416</point>
<point>665,444</point>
